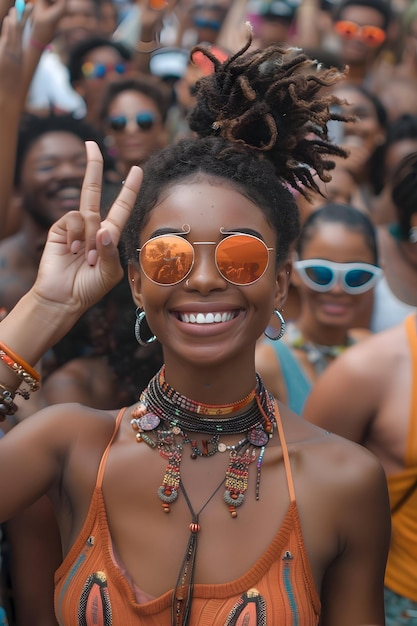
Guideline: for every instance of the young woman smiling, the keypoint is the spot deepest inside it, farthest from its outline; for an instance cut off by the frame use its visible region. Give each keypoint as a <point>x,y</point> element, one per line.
<point>205,502</point>
<point>335,274</point>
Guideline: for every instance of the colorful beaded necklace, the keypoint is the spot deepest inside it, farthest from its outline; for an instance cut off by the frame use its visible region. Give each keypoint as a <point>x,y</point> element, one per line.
<point>162,419</point>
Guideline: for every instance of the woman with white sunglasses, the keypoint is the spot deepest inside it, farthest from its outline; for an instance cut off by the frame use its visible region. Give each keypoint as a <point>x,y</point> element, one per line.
<point>335,272</point>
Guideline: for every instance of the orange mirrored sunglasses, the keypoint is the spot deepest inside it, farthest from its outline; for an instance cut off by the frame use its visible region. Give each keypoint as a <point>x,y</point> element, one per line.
<point>240,258</point>
<point>370,35</point>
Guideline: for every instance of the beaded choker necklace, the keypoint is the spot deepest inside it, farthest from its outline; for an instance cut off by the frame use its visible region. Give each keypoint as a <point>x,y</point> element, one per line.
<point>178,402</point>
<point>162,419</point>
<point>169,405</point>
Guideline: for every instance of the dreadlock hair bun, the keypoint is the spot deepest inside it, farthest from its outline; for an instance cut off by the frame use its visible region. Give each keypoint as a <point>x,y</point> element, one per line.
<point>272,101</point>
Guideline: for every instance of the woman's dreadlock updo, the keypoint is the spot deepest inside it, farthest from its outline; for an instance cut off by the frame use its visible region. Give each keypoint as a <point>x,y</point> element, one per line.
<point>261,124</point>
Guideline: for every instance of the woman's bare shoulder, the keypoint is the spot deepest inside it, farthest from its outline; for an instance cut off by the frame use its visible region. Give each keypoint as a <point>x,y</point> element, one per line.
<point>373,356</point>
<point>333,459</point>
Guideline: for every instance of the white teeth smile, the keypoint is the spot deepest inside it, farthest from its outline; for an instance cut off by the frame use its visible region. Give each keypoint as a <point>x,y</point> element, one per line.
<point>206,318</point>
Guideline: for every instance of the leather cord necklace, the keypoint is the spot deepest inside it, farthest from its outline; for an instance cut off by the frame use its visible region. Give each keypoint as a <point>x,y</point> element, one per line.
<point>183,591</point>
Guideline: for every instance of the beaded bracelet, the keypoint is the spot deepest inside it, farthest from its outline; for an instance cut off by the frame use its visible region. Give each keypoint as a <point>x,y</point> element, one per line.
<point>23,370</point>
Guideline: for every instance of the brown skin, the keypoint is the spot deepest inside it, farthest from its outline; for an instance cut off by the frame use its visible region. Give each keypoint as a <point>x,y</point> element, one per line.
<point>359,395</point>
<point>92,88</point>
<point>361,137</point>
<point>341,189</point>
<point>34,553</point>
<point>17,66</point>
<point>54,161</point>
<point>325,318</point>
<point>344,512</point>
<point>134,145</point>
<point>399,260</point>
<point>88,380</point>
<point>355,53</point>
<point>382,208</point>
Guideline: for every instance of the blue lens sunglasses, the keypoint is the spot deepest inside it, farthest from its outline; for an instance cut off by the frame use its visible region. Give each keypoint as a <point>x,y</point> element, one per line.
<point>100,70</point>
<point>322,275</point>
<point>144,120</point>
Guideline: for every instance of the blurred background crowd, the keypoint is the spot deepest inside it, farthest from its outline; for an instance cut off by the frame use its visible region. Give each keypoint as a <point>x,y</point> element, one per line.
<point>121,72</point>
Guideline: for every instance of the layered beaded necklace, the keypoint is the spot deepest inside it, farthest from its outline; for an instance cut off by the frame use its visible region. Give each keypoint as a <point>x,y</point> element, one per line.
<point>165,420</point>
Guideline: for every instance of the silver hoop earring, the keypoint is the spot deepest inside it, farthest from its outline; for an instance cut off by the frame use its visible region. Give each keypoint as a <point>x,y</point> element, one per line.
<point>412,236</point>
<point>140,316</point>
<point>282,329</point>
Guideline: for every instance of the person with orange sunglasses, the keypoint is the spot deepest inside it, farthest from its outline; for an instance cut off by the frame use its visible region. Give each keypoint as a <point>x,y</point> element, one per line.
<point>361,29</point>
<point>204,502</point>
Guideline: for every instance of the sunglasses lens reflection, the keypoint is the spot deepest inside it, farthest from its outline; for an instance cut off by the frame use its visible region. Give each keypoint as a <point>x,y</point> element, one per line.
<point>240,259</point>
<point>166,260</point>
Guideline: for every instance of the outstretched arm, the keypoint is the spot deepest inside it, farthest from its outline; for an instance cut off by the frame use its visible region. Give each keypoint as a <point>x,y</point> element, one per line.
<point>11,85</point>
<point>45,17</point>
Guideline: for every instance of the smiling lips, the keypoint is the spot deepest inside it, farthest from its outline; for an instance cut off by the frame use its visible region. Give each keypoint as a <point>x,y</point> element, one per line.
<point>206,318</point>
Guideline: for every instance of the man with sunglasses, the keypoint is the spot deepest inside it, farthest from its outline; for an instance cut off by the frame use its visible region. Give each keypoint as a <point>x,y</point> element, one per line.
<point>361,28</point>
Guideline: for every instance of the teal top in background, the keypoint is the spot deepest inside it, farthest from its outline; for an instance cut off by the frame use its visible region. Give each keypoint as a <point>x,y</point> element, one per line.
<point>296,382</point>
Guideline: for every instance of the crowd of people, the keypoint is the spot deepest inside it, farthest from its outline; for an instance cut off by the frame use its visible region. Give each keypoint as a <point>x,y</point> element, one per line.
<point>208,276</point>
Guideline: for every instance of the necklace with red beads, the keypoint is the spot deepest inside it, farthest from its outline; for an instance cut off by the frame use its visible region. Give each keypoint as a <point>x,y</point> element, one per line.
<point>163,418</point>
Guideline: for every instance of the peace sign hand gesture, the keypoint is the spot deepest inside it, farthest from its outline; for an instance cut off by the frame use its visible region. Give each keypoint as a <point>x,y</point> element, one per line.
<point>80,262</point>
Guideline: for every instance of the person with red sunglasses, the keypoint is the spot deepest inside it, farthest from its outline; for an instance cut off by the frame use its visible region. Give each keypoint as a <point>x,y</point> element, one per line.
<point>361,28</point>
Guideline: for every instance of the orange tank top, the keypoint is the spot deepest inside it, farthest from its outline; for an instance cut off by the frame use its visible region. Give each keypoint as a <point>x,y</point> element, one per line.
<point>279,590</point>
<point>402,559</point>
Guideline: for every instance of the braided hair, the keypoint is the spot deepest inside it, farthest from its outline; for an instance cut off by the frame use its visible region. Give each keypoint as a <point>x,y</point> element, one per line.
<point>260,123</point>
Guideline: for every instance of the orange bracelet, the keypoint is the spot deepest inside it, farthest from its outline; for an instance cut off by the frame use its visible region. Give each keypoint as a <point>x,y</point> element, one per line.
<point>20,367</point>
